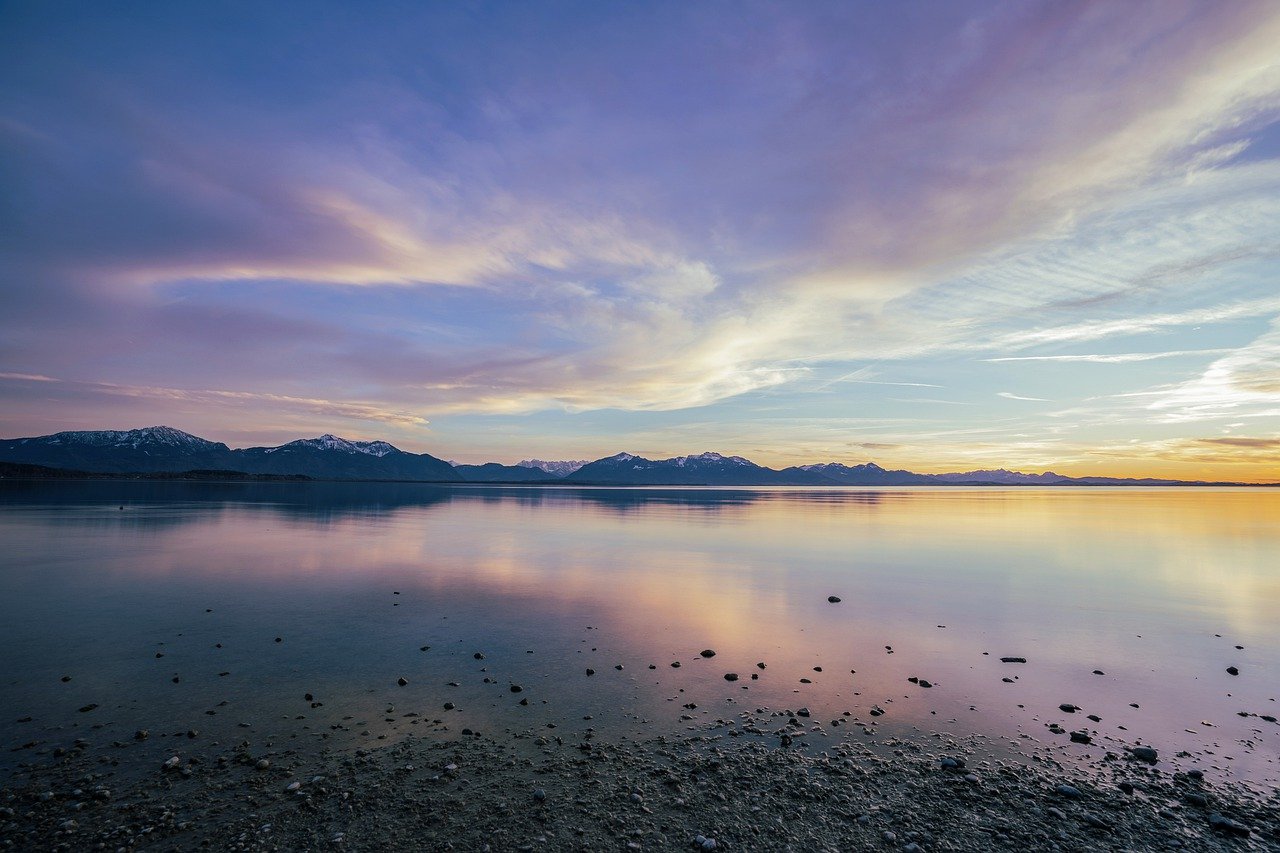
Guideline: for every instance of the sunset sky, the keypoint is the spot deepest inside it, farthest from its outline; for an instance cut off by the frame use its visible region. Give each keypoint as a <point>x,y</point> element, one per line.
<point>940,236</point>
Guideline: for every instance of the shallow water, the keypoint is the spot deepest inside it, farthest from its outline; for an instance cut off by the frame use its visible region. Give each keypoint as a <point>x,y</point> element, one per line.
<point>1155,588</point>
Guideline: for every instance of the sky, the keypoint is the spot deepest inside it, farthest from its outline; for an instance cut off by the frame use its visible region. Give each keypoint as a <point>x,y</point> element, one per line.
<point>939,236</point>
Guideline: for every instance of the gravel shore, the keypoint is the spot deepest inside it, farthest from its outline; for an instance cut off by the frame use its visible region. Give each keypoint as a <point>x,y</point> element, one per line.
<point>732,785</point>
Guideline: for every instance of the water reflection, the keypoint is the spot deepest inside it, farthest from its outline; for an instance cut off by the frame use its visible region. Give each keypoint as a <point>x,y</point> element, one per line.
<point>1132,583</point>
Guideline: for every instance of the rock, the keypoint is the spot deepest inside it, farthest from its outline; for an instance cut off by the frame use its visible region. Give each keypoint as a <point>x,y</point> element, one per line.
<point>708,653</point>
<point>1145,753</point>
<point>293,787</point>
<point>1222,823</point>
<point>1067,708</point>
<point>761,665</point>
<point>515,688</point>
<point>478,656</point>
<point>449,706</point>
<point>925,684</point>
<point>84,709</point>
<point>1098,672</point>
<point>731,676</point>
<point>263,764</point>
<point>1196,799</point>
<point>539,795</point>
<point>1013,660</point>
<point>675,664</point>
<point>876,711</point>
<point>834,599</point>
<point>141,734</point>
<point>1231,670</point>
<point>971,778</point>
<point>590,671</point>
<point>1007,680</point>
<point>402,681</point>
<point>619,667</point>
<point>949,763</point>
<point>171,763</point>
<point>1094,717</point>
<point>803,712</point>
<point>1069,791</point>
<point>1081,737</point>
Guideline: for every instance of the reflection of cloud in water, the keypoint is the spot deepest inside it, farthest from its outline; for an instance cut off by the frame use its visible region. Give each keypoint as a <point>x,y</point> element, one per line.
<point>1067,577</point>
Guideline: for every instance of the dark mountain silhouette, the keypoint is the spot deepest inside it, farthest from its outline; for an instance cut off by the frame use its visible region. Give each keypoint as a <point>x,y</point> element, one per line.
<point>703,469</point>
<point>165,450</point>
<point>493,472</point>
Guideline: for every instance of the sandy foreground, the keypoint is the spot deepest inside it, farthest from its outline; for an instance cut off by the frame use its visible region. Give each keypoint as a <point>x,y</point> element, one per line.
<point>768,780</point>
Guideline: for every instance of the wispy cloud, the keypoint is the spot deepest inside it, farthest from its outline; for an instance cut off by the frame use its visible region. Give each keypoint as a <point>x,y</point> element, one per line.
<point>1009,395</point>
<point>485,240</point>
<point>1112,358</point>
<point>1097,330</point>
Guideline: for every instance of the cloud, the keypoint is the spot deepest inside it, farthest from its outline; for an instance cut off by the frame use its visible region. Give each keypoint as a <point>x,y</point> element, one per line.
<point>1111,358</point>
<point>1008,395</point>
<point>1092,331</point>
<point>1245,382</point>
<point>215,399</point>
<point>1245,443</point>
<point>377,215</point>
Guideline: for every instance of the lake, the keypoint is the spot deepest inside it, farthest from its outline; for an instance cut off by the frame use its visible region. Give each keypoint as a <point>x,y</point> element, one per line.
<point>219,608</point>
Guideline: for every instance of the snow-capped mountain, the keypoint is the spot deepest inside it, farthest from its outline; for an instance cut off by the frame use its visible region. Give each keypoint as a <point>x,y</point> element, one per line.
<point>156,436</point>
<point>1002,476</point>
<point>341,445</point>
<point>165,449</point>
<point>555,469</point>
<point>332,457</point>
<point>866,474</point>
<point>158,448</point>
<point>702,469</point>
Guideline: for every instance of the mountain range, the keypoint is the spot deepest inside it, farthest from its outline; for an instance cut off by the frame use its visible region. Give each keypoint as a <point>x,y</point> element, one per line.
<point>165,450</point>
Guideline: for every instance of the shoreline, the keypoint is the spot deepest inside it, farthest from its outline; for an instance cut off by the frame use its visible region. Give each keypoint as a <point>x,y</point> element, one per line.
<point>532,790</point>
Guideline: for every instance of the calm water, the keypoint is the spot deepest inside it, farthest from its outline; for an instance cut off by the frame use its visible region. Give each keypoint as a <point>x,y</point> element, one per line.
<point>97,578</point>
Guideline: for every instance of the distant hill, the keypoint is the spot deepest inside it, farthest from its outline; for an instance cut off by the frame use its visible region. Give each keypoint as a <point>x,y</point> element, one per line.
<point>492,472</point>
